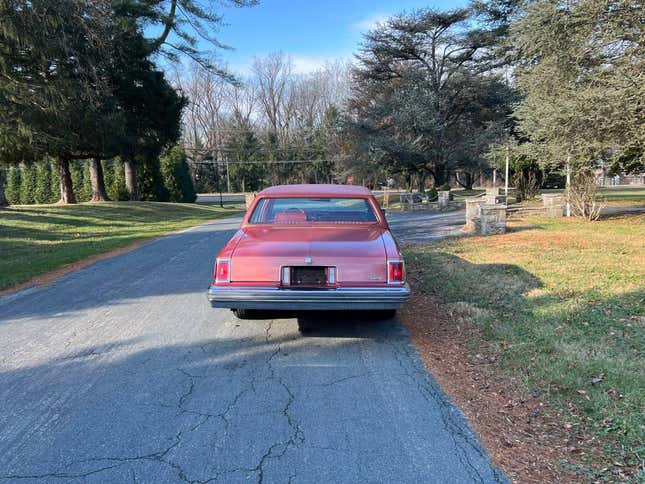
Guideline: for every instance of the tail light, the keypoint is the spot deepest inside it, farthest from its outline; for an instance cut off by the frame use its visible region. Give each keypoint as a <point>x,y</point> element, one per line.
<point>395,271</point>
<point>223,270</point>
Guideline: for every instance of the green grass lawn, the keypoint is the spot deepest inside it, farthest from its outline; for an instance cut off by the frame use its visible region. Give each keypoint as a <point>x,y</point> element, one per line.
<point>623,195</point>
<point>35,239</point>
<point>563,303</point>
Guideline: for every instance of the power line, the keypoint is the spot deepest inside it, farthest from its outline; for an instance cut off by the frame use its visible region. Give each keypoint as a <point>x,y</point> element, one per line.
<point>265,162</point>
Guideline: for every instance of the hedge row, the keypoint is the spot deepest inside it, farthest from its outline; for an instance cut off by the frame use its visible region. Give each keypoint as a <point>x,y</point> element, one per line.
<point>164,180</point>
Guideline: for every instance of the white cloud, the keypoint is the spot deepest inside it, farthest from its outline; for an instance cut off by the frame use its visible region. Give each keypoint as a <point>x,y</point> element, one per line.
<point>303,64</point>
<point>371,21</point>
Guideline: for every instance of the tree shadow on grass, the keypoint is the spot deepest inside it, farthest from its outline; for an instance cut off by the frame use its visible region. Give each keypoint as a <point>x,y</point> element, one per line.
<point>582,346</point>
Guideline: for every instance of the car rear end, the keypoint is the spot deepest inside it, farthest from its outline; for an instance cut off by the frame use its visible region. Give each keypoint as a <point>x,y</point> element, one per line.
<point>311,253</point>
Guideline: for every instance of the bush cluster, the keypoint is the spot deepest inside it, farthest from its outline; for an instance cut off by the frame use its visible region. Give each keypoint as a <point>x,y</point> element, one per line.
<point>166,179</point>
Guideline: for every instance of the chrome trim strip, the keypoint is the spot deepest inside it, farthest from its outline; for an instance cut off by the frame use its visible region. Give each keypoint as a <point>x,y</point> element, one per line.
<point>319,299</point>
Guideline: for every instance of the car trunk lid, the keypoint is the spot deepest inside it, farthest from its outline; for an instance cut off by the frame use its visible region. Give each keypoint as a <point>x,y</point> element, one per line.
<point>357,252</point>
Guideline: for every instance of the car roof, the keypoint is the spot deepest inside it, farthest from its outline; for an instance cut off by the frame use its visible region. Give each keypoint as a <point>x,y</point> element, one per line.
<point>315,190</point>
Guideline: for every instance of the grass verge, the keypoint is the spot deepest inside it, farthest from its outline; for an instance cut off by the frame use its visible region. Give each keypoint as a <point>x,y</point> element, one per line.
<point>621,195</point>
<point>561,306</point>
<point>36,239</point>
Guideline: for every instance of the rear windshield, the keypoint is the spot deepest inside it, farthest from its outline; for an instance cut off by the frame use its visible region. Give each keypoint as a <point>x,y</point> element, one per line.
<point>307,210</point>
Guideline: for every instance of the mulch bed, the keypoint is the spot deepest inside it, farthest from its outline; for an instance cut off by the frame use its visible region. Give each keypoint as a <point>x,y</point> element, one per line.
<point>526,439</point>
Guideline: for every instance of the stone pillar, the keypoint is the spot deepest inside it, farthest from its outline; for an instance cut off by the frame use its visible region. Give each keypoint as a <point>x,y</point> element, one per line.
<point>492,196</point>
<point>553,205</point>
<point>472,213</point>
<point>443,198</point>
<point>492,219</point>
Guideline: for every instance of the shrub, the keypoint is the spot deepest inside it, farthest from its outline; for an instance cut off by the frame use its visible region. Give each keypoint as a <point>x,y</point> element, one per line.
<point>432,194</point>
<point>12,185</point>
<point>44,192</point>
<point>27,183</point>
<point>445,187</point>
<point>115,180</point>
<point>176,175</point>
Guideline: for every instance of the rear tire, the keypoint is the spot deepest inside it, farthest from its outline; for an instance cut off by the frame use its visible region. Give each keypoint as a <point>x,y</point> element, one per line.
<point>306,326</point>
<point>385,314</point>
<point>244,313</point>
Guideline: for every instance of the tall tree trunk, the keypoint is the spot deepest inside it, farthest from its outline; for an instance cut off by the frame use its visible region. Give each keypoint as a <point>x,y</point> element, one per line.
<point>422,182</point>
<point>130,170</point>
<point>99,194</point>
<point>66,188</point>
<point>3,199</point>
<point>440,174</point>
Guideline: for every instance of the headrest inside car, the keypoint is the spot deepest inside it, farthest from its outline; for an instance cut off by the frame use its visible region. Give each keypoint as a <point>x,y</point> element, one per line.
<point>290,217</point>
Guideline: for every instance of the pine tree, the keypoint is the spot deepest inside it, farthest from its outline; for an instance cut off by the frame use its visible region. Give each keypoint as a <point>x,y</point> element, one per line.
<point>176,175</point>
<point>78,180</point>
<point>150,181</point>
<point>12,187</point>
<point>27,184</point>
<point>55,182</point>
<point>3,199</point>
<point>43,191</point>
<point>115,181</point>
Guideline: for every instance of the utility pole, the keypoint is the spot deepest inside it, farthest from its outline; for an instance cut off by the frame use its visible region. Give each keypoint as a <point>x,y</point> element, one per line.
<point>568,184</point>
<point>228,178</point>
<point>506,174</point>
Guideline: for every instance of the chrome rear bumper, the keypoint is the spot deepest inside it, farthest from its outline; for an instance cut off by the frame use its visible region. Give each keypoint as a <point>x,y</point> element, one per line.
<point>274,298</point>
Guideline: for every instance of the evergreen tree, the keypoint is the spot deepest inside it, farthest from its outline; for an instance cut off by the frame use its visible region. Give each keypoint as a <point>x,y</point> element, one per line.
<point>12,186</point>
<point>176,175</point>
<point>580,66</point>
<point>3,198</point>
<point>424,87</point>
<point>243,147</point>
<point>43,192</point>
<point>27,184</point>
<point>115,181</point>
<point>55,181</point>
<point>150,181</point>
<point>81,180</point>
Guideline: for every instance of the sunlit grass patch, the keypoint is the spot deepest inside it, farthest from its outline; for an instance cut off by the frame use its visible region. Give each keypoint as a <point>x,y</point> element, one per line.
<point>563,304</point>
<point>35,239</point>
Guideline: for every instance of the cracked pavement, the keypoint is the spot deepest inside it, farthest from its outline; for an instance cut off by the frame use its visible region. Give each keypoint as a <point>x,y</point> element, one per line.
<point>123,372</point>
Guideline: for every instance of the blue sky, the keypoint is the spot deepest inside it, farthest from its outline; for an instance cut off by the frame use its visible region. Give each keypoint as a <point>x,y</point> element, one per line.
<point>311,32</point>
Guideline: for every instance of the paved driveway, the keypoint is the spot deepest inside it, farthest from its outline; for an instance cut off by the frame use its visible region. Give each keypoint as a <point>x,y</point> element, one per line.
<point>422,226</point>
<point>123,372</point>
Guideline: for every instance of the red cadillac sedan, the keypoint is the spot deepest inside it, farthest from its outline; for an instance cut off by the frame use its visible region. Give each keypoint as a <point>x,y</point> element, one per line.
<point>311,248</point>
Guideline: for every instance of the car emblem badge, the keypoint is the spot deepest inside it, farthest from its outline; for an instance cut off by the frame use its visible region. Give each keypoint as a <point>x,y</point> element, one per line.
<point>308,260</point>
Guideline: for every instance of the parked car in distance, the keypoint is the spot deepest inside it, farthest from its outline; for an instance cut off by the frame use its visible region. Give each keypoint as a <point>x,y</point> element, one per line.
<point>311,248</point>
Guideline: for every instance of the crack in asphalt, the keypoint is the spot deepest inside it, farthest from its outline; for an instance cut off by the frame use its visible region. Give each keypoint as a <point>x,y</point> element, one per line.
<point>344,379</point>
<point>297,437</point>
<point>155,456</point>
<point>455,427</point>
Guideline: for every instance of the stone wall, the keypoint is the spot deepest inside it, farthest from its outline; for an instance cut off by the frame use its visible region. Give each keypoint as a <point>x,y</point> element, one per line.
<point>485,218</point>
<point>553,204</point>
<point>492,219</point>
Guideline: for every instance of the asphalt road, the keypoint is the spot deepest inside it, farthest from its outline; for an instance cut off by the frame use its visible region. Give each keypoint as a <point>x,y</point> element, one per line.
<point>123,372</point>
<point>422,226</point>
